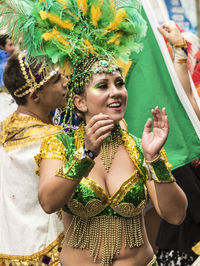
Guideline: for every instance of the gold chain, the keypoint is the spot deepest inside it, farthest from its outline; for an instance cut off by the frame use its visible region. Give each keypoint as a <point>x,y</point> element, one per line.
<point>109,149</point>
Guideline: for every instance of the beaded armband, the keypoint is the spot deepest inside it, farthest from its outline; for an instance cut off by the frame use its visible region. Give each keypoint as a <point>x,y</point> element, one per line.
<point>76,167</point>
<point>158,170</point>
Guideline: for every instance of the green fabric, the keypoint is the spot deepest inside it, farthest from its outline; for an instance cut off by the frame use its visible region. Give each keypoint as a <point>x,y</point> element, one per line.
<point>73,168</point>
<point>149,84</point>
<point>161,172</point>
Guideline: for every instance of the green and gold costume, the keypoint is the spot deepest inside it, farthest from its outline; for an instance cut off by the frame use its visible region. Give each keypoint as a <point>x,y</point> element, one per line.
<point>100,220</point>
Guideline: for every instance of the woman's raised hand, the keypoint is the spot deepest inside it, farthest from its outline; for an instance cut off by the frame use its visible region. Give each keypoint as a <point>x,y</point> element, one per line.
<point>153,140</point>
<point>96,131</point>
<point>171,32</point>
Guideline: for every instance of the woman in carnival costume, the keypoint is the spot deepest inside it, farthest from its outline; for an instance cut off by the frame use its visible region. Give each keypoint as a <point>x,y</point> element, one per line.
<point>98,173</point>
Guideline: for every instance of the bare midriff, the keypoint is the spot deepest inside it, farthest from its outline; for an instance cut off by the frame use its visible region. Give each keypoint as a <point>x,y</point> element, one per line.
<point>137,256</point>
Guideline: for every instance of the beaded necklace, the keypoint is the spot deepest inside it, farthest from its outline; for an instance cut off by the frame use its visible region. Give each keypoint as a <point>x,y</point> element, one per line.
<point>109,147</point>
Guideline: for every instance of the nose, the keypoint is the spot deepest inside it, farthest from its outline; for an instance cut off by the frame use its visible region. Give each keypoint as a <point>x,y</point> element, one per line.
<point>114,91</point>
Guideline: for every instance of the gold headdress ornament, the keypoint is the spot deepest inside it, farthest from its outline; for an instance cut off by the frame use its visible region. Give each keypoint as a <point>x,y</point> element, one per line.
<point>33,81</point>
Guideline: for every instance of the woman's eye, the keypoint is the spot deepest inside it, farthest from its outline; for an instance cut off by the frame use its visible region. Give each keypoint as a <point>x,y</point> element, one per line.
<point>120,83</point>
<point>102,86</point>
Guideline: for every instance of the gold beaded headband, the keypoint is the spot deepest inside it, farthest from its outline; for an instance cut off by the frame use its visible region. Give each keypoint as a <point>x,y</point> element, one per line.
<point>31,79</point>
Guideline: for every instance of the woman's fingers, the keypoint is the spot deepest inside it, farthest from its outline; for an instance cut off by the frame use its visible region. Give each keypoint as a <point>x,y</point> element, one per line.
<point>97,130</point>
<point>160,117</point>
<point>98,123</point>
<point>148,125</point>
<point>97,118</point>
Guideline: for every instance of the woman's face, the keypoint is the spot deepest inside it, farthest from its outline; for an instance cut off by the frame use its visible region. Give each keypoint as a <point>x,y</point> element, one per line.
<point>106,94</point>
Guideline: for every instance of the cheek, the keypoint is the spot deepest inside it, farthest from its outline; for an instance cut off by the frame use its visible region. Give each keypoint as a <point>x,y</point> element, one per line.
<point>125,96</point>
<point>93,92</point>
<point>95,96</point>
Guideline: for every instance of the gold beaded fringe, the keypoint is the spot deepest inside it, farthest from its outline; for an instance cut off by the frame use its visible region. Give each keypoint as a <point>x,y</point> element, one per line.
<point>108,150</point>
<point>105,232</point>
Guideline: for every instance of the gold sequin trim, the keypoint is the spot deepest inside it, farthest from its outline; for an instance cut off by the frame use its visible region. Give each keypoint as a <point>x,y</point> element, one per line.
<point>51,148</point>
<point>92,208</point>
<point>98,190</point>
<point>126,209</point>
<point>125,187</point>
<point>196,248</point>
<point>79,136</point>
<point>131,147</point>
<point>164,156</point>
<point>20,131</point>
<point>52,251</point>
<point>153,261</point>
<point>104,232</point>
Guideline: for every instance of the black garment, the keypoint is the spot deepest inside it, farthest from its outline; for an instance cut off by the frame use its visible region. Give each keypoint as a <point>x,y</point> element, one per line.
<point>175,258</point>
<point>183,237</point>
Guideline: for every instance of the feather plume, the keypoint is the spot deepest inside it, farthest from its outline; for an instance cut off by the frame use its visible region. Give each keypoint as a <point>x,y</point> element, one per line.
<point>55,19</point>
<point>63,3</point>
<point>116,38</point>
<point>83,6</point>
<point>88,47</point>
<point>120,16</point>
<point>95,15</point>
<point>54,34</point>
<point>60,31</point>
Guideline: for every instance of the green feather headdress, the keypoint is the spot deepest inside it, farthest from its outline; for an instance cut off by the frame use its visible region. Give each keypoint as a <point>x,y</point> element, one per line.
<point>74,34</point>
<point>64,32</point>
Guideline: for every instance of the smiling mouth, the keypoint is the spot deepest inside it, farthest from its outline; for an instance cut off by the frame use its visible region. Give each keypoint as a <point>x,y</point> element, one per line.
<point>114,105</point>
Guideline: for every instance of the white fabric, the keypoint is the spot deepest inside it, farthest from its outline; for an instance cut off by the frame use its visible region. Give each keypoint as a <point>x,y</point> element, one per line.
<point>24,227</point>
<point>7,105</point>
<point>197,262</point>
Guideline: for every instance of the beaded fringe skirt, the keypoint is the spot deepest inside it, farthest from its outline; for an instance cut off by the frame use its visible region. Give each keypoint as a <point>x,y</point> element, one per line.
<point>104,234</point>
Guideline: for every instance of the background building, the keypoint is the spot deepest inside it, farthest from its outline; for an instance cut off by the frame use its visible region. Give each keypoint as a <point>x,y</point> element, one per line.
<point>186,13</point>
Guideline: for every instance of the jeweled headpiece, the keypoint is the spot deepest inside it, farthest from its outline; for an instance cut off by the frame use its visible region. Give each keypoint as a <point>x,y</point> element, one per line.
<point>75,34</point>
<point>33,80</point>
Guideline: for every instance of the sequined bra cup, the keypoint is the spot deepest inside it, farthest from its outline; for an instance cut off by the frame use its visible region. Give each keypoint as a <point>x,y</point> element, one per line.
<point>90,200</point>
<point>100,220</point>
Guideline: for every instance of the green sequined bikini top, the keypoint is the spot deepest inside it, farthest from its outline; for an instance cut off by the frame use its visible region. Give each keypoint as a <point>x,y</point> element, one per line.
<point>90,199</point>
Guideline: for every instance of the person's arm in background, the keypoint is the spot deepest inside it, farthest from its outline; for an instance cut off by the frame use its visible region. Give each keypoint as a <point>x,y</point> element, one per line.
<point>170,31</point>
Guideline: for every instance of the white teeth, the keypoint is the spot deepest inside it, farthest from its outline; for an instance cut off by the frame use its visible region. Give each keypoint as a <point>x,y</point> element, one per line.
<point>115,105</point>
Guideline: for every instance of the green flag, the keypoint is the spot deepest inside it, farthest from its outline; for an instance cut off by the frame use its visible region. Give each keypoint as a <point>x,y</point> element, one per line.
<point>150,84</point>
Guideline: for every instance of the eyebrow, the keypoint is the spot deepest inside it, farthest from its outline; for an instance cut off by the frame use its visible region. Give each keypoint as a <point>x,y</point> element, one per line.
<point>107,80</point>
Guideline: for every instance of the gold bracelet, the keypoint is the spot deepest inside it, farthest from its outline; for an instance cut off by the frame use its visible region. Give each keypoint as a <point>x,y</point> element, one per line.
<point>154,160</point>
<point>181,45</point>
<point>181,61</point>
